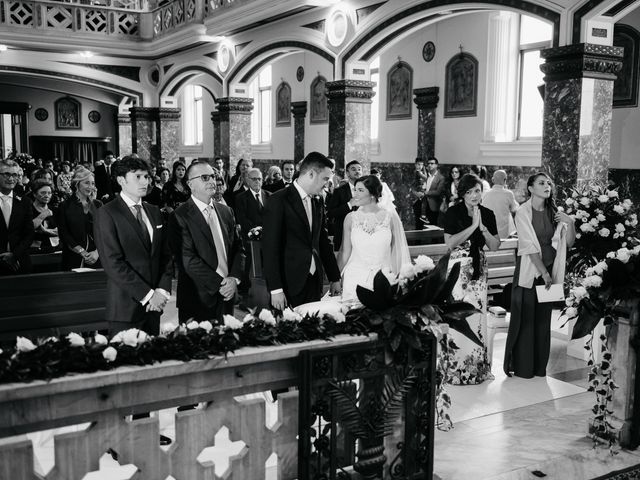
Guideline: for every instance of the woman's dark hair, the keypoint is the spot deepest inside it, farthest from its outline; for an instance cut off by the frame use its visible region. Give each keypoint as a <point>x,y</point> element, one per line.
<point>239,164</point>
<point>451,173</point>
<point>372,184</point>
<point>466,183</point>
<point>174,177</point>
<point>40,183</point>
<point>549,203</point>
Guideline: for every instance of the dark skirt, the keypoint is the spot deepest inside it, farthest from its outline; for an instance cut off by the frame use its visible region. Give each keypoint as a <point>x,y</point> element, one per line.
<point>529,337</point>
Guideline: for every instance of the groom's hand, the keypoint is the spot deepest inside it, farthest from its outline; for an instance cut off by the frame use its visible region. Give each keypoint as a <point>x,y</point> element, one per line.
<point>335,288</point>
<point>278,301</point>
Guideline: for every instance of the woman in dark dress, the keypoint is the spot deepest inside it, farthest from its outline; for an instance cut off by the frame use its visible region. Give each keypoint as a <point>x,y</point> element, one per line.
<point>544,234</point>
<point>468,227</point>
<point>75,222</point>
<point>175,191</point>
<point>44,218</point>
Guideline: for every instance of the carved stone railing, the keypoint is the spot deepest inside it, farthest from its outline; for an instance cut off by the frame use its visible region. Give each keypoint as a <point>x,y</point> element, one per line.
<point>102,401</point>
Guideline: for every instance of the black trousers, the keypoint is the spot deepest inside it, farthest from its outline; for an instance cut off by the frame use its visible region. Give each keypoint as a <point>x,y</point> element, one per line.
<point>311,292</point>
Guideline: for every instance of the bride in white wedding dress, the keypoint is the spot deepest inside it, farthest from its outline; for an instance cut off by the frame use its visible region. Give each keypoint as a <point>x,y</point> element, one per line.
<point>373,239</point>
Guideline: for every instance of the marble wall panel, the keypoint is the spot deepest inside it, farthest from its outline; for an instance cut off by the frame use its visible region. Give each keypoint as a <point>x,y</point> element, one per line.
<point>426,132</point>
<point>124,139</point>
<point>170,139</point>
<point>143,134</point>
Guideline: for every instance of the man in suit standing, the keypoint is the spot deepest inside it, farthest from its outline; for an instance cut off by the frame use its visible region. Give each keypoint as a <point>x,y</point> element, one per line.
<point>218,164</point>
<point>134,252</point>
<point>104,178</point>
<point>295,242</point>
<point>288,170</point>
<point>435,188</point>
<point>208,249</point>
<point>16,225</point>
<point>339,202</point>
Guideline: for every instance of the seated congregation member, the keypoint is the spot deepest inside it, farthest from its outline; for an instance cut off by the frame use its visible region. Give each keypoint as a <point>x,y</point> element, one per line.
<point>75,222</point>
<point>48,176</point>
<point>16,225</point>
<point>274,181</point>
<point>176,191</point>
<point>221,188</point>
<point>64,180</point>
<point>544,234</point>
<point>502,202</point>
<point>468,227</point>
<point>134,252</point>
<point>44,219</point>
<point>340,203</point>
<point>208,250</point>
<point>296,246</point>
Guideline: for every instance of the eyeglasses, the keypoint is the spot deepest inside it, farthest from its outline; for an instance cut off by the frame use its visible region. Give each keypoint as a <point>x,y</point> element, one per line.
<point>255,179</point>
<point>8,175</point>
<point>205,177</point>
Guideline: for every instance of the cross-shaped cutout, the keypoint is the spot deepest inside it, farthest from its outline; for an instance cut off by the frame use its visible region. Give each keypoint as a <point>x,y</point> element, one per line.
<point>110,469</point>
<point>223,453</point>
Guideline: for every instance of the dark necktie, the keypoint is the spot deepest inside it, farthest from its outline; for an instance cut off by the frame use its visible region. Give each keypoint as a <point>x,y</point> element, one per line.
<point>143,226</point>
<point>259,202</point>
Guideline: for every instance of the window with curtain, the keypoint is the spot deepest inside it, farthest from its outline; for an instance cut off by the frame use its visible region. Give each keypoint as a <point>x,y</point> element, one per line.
<point>192,115</point>
<point>262,105</point>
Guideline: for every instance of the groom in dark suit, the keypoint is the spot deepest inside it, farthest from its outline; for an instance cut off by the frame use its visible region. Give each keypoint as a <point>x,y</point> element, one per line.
<point>208,250</point>
<point>295,242</point>
<point>134,252</point>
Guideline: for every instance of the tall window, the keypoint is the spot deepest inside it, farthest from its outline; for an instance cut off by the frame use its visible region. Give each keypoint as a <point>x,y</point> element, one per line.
<point>192,115</point>
<point>534,36</point>
<point>375,101</point>
<point>261,114</point>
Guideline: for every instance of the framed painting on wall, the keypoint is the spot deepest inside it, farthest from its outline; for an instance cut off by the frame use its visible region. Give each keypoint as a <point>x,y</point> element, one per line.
<point>461,86</point>
<point>283,105</point>
<point>67,114</point>
<point>625,87</point>
<point>319,112</point>
<point>399,90</point>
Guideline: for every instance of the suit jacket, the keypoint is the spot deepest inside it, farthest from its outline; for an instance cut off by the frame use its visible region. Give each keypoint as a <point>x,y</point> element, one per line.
<point>195,253</point>
<point>436,192</point>
<point>132,269</point>
<point>274,187</point>
<point>18,234</point>
<point>104,182</point>
<point>337,209</point>
<point>288,243</point>
<point>248,211</point>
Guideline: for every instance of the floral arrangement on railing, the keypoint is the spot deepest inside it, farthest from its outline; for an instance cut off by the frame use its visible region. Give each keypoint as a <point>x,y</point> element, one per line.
<point>416,303</point>
<point>602,295</point>
<point>255,233</point>
<point>603,223</point>
<point>22,159</point>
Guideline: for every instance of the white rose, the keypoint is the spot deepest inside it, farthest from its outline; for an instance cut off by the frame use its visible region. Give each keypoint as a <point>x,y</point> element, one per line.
<point>408,271</point>
<point>589,271</point>
<point>569,302</point>
<point>574,194</point>
<point>636,249</point>
<point>133,337</point>
<point>604,232</point>
<point>267,317</point>
<point>192,325</point>
<point>603,198</point>
<point>592,281</point>
<point>600,267</point>
<point>247,318</point>
<point>619,228</point>
<point>571,312</point>
<point>206,325</point>
<point>585,201</point>
<point>75,340</point>
<point>612,193</point>
<point>569,201</point>
<point>578,235</point>
<point>290,315</point>
<point>601,217</point>
<point>24,344</point>
<point>338,317</point>
<point>594,222</point>
<point>627,203</point>
<point>109,354</point>
<point>579,293</point>
<point>618,209</point>
<point>623,255</point>
<point>561,209</point>
<point>232,322</point>
<point>611,255</point>
<point>167,327</point>
<point>100,339</point>
<point>586,227</point>
<point>424,263</point>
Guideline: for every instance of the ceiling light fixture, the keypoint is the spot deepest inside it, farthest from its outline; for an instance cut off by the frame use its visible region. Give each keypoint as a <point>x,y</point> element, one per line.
<point>86,54</point>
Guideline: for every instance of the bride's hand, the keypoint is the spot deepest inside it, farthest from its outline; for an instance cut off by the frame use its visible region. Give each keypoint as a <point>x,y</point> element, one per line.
<point>335,288</point>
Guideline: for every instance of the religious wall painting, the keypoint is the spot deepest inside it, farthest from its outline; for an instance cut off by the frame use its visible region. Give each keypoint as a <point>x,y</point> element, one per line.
<point>625,88</point>
<point>318,112</point>
<point>461,86</point>
<point>283,105</point>
<point>399,88</point>
<point>67,112</point>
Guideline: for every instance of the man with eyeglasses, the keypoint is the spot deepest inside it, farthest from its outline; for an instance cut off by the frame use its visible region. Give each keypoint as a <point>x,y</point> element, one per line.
<point>16,226</point>
<point>208,250</point>
<point>249,206</point>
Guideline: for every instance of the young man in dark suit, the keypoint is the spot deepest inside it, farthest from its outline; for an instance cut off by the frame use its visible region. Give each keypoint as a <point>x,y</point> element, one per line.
<point>295,242</point>
<point>16,225</point>
<point>207,248</point>
<point>339,202</point>
<point>435,189</point>
<point>134,252</point>
<point>105,183</point>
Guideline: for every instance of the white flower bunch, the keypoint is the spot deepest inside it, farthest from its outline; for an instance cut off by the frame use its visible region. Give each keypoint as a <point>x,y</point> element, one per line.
<point>232,323</point>
<point>100,339</point>
<point>604,198</point>
<point>424,263</point>
<point>109,354</point>
<point>131,337</point>
<point>592,281</point>
<point>24,344</point>
<point>290,315</point>
<point>267,317</point>
<point>75,340</point>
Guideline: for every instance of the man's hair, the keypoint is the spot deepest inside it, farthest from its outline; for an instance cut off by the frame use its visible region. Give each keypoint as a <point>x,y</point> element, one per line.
<point>375,171</point>
<point>194,164</point>
<point>352,162</point>
<point>129,164</point>
<point>253,170</point>
<point>8,163</point>
<point>109,152</point>
<point>419,160</point>
<point>433,159</point>
<point>315,160</point>
<point>287,162</point>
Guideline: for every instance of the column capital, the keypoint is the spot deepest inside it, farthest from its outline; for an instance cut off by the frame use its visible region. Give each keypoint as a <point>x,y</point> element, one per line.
<point>169,113</point>
<point>581,60</point>
<point>426,97</point>
<point>299,109</point>
<point>235,105</point>
<point>353,91</point>
<point>144,113</point>
<point>124,118</point>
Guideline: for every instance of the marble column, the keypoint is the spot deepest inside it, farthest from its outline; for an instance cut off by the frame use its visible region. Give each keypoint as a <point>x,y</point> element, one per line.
<point>169,133</point>
<point>215,119</point>
<point>235,129</point>
<point>577,112</point>
<point>426,99</point>
<point>349,103</point>
<point>144,132</point>
<point>124,135</point>
<point>299,110</point>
